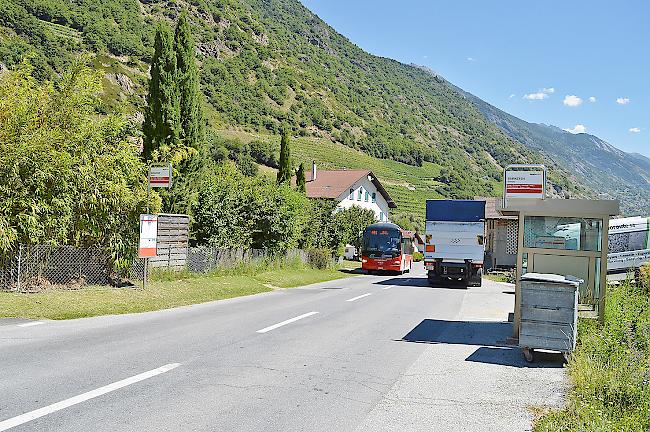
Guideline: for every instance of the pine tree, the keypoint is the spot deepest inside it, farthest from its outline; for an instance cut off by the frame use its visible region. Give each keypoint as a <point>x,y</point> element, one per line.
<point>161,122</point>
<point>300,178</point>
<point>284,169</point>
<point>191,116</point>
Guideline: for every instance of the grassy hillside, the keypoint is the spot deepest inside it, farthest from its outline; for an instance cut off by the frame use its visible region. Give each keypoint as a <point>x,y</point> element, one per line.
<point>409,185</point>
<point>269,62</point>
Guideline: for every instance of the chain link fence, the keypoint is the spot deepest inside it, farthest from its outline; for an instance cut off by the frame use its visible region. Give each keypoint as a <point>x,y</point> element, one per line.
<point>37,267</point>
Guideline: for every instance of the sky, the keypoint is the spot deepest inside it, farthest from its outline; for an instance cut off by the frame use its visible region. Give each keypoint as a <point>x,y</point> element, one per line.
<point>583,66</point>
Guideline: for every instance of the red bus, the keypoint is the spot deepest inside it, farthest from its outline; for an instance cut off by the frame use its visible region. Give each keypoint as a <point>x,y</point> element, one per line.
<point>386,247</point>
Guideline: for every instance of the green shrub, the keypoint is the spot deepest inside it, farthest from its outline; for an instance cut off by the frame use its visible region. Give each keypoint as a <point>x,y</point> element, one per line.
<point>319,258</point>
<point>610,369</point>
<point>418,256</point>
<point>644,276</point>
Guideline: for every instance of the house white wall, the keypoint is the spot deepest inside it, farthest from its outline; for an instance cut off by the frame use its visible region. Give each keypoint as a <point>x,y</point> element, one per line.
<point>362,196</point>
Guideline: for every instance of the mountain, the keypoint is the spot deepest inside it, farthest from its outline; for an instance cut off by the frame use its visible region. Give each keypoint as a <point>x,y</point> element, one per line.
<point>265,63</point>
<point>611,172</point>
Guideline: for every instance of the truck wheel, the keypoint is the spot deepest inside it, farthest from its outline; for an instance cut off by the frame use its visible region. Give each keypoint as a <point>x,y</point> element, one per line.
<point>434,281</point>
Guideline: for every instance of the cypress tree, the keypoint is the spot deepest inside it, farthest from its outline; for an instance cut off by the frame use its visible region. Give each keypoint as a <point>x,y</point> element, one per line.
<point>161,121</point>
<point>284,169</point>
<point>300,178</point>
<point>191,118</point>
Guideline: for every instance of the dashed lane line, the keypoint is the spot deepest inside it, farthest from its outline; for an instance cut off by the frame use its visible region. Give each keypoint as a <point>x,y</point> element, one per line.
<point>358,297</point>
<point>31,324</point>
<point>41,412</point>
<point>283,323</point>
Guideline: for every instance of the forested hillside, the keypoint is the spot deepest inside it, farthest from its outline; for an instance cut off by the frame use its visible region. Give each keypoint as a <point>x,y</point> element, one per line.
<point>269,62</point>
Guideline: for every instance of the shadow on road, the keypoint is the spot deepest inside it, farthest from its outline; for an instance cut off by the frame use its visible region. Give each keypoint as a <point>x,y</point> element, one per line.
<point>419,282</point>
<point>512,356</point>
<point>490,335</point>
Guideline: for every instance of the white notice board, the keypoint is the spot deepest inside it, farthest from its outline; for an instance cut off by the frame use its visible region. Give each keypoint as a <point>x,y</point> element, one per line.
<point>148,236</point>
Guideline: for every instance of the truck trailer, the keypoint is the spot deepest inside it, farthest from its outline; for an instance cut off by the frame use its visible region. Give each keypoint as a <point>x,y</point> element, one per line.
<point>454,241</point>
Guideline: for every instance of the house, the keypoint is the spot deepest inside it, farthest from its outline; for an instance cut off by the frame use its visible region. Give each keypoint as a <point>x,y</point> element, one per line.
<point>500,236</point>
<point>349,188</point>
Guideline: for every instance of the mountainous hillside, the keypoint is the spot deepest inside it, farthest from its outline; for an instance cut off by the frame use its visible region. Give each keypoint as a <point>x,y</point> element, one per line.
<point>269,62</point>
<point>607,170</point>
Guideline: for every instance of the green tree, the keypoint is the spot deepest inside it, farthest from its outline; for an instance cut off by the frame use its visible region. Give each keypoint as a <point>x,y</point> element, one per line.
<point>284,169</point>
<point>300,178</point>
<point>351,222</point>
<point>67,176</point>
<point>191,115</point>
<point>222,211</point>
<point>161,122</point>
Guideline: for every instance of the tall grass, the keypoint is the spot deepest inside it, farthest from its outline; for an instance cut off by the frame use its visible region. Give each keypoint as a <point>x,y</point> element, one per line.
<point>243,268</point>
<point>610,369</point>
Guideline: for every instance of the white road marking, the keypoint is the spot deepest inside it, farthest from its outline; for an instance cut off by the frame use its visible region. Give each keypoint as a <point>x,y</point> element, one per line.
<point>358,297</point>
<point>31,324</point>
<point>289,321</point>
<point>33,415</point>
<point>389,287</point>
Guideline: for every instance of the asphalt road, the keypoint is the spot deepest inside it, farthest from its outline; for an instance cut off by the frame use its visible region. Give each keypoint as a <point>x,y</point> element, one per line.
<point>366,353</point>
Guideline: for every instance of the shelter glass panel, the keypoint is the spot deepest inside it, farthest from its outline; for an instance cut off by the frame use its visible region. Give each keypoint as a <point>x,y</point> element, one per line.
<point>551,232</point>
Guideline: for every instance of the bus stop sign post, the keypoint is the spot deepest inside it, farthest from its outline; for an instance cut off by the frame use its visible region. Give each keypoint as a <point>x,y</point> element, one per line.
<point>158,176</point>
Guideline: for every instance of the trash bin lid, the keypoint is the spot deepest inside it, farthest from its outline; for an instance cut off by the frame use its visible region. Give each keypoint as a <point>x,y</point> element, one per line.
<point>550,277</point>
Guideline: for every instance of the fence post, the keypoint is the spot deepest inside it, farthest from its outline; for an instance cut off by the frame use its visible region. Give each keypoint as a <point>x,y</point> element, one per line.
<point>20,259</point>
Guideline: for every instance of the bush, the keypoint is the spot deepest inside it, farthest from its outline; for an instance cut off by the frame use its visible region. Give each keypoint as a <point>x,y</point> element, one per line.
<point>610,369</point>
<point>319,258</point>
<point>644,276</point>
<point>418,256</point>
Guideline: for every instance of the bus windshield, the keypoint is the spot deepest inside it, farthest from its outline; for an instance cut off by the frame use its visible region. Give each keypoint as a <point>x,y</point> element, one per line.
<point>380,242</point>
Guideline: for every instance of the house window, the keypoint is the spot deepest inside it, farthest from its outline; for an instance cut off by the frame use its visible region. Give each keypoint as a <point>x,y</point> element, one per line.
<point>351,194</point>
<point>381,216</point>
<point>367,196</point>
<point>374,197</point>
<point>360,194</point>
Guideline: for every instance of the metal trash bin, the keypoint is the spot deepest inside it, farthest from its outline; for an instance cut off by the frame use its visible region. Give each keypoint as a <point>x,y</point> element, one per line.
<point>549,313</point>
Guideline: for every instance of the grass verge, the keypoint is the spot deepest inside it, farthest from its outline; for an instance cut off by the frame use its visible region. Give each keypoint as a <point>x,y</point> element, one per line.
<point>610,370</point>
<point>165,291</point>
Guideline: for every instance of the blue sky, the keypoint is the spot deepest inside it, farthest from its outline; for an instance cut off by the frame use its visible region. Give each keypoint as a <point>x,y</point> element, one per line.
<point>541,61</point>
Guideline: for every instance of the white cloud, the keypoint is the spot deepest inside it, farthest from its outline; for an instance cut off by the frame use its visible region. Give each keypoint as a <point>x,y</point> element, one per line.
<point>592,99</point>
<point>623,101</point>
<point>579,128</point>
<point>425,56</point>
<point>471,59</point>
<point>541,94</point>
<point>572,100</point>
<point>536,96</point>
<point>635,130</point>
<point>511,96</point>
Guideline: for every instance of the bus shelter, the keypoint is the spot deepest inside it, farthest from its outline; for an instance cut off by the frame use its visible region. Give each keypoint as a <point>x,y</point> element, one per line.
<point>564,237</point>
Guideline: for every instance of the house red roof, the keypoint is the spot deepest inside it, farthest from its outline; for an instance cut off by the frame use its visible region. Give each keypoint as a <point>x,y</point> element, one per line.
<point>334,183</point>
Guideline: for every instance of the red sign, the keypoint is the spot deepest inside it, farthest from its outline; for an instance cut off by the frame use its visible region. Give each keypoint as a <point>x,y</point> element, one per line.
<point>524,184</point>
<point>160,176</point>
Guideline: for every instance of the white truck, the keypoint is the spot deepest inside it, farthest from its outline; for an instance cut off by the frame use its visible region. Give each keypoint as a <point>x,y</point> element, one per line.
<point>454,241</point>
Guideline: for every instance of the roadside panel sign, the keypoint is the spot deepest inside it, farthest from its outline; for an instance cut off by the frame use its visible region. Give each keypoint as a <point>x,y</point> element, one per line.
<point>160,176</point>
<point>524,184</point>
<point>148,236</point>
